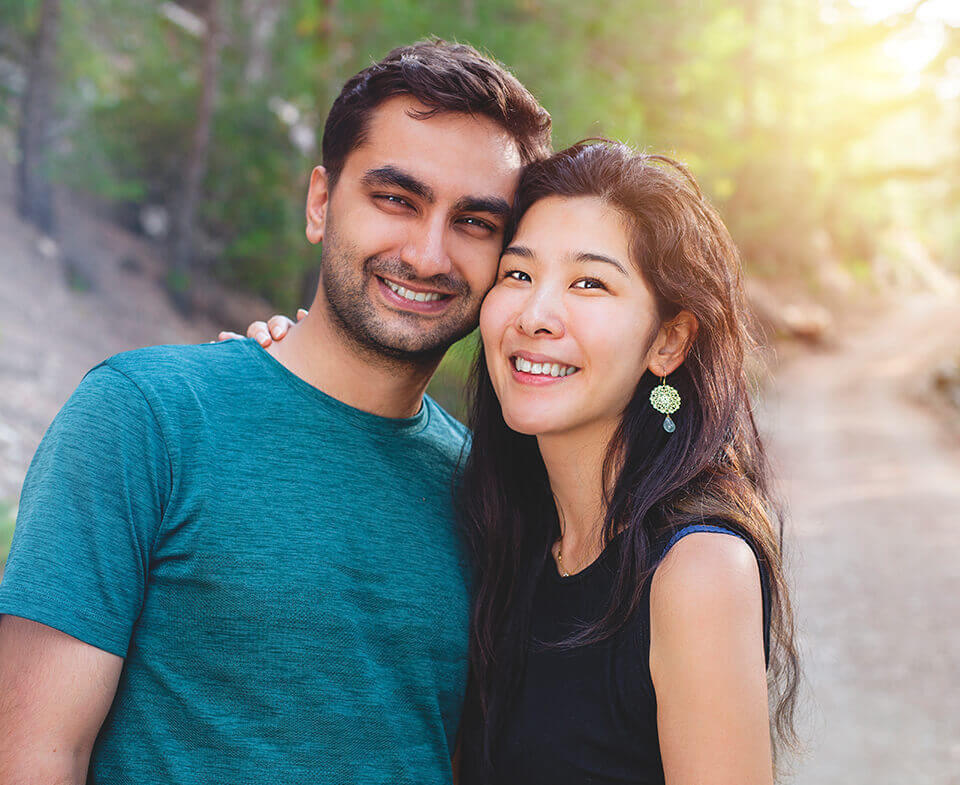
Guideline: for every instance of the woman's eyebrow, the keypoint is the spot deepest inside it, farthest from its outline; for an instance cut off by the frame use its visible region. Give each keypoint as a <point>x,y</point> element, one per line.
<point>517,250</point>
<point>581,257</point>
<point>586,256</point>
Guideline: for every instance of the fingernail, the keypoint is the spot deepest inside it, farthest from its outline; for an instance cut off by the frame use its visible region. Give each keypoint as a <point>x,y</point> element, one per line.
<point>263,338</point>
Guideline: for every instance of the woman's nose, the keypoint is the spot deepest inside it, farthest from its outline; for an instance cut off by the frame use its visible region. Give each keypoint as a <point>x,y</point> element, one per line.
<point>541,315</point>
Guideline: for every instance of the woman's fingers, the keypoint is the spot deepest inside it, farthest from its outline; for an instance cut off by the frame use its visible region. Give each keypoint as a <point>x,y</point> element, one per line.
<point>226,335</point>
<point>265,333</point>
<point>278,326</point>
<point>259,331</point>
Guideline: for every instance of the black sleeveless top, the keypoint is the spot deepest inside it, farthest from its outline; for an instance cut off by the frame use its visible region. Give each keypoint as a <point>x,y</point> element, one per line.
<point>588,714</point>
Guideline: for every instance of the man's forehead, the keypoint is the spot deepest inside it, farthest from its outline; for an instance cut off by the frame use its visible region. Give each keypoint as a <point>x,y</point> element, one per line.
<point>450,152</point>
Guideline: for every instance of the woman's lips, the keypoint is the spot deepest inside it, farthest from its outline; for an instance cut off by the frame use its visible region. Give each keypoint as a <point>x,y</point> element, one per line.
<point>539,370</point>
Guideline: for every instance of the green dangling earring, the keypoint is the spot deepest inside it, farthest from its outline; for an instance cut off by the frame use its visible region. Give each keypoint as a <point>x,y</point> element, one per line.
<point>666,400</point>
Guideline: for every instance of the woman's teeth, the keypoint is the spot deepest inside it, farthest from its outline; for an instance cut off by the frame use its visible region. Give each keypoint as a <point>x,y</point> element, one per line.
<point>420,297</point>
<point>543,369</point>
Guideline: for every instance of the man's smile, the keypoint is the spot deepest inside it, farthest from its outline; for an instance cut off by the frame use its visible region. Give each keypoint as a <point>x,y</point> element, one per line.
<point>408,298</point>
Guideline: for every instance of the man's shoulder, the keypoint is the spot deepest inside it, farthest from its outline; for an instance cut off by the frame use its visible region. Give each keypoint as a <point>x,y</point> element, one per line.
<point>176,360</point>
<point>171,377</point>
<point>172,367</point>
<point>450,435</point>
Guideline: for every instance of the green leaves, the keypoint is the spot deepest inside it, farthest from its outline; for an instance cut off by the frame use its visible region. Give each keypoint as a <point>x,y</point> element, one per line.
<point>797,122</point>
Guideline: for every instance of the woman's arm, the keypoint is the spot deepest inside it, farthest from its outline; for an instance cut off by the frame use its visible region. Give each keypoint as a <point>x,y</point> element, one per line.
<point>707,663</point>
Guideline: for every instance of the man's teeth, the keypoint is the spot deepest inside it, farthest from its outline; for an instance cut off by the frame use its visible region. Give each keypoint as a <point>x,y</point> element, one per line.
<point>420,297</point>
<point>543,369</point>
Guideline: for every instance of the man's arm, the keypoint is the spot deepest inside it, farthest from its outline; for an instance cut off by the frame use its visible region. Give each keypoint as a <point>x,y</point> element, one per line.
<point>74,582</point>
<point>55,692</point>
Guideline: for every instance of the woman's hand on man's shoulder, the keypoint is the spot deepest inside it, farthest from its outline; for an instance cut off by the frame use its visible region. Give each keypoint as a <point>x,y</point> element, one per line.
<point>265,333</point>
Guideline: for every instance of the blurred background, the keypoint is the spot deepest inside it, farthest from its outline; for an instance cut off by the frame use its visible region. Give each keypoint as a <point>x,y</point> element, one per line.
<point>154,158</point>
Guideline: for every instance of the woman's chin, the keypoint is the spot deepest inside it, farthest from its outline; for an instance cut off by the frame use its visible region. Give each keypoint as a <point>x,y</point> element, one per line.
<point>534,423</point>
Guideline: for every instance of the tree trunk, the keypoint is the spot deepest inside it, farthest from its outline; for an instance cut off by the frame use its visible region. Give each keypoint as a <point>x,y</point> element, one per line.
<point>196,168</point>
<point>34,191</point>
<point>262,16</point>
<point>748,73</point>
<point>330,36</point>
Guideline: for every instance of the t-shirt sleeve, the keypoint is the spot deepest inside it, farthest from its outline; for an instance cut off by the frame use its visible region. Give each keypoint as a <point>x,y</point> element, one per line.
<point>90,510</point>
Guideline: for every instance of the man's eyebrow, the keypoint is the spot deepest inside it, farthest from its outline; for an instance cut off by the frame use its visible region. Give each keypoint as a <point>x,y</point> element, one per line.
<point>517,250</point>
<point>483,204</point>
<point>397,178</point>
<point>585,256</point>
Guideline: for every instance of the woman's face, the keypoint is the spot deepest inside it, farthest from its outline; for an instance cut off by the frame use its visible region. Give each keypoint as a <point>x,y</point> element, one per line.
<point>569,324</point>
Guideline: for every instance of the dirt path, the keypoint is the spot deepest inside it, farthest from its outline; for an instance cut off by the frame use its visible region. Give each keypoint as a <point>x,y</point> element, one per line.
<point>873,482</point>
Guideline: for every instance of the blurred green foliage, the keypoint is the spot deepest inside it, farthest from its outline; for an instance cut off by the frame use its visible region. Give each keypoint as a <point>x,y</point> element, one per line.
<point>8,515</point>
<point>794,115</point>
<point>447,385</point>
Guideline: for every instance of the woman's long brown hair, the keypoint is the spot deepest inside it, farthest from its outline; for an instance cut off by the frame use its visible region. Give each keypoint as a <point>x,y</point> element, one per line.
<point>712,467</point>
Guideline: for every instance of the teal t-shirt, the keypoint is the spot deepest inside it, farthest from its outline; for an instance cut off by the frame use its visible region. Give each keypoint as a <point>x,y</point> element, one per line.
<point>281,571</point>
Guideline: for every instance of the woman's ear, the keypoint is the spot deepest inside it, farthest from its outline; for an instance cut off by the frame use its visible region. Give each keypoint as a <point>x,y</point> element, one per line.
<point>672,343</point>
<point>317,198</point>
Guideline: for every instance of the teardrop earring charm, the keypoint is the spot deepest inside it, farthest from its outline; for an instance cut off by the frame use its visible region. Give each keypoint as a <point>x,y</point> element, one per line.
<point>666,400</point>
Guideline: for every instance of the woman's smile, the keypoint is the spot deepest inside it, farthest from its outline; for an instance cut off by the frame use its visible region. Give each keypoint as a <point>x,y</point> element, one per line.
<point>532,368</point>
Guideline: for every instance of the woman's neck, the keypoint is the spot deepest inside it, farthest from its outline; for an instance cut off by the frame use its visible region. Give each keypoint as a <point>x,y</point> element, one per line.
<point>575,463</point>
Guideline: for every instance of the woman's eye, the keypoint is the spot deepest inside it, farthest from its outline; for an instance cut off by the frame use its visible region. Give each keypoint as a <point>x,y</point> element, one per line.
<point>517,275</point>
<point>589,283</point>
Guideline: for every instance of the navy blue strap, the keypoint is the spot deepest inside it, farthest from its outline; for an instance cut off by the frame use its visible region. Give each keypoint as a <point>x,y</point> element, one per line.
<point>699,527</point>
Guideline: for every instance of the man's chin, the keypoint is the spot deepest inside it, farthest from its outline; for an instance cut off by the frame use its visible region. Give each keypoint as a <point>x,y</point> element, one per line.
<point>413,348</point>
<point>418,336</point>
<point>401,335</point>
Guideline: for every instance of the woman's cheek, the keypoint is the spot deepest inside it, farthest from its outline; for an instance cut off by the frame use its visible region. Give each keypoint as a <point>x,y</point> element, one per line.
<point>492,317</point>
<point>491,336</point>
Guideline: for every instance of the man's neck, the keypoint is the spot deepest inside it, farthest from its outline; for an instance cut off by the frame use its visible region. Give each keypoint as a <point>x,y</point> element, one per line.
<point>320,354</point>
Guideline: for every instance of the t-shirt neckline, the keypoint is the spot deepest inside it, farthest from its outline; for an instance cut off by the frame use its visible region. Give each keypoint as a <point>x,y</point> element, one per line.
<point>363,419</point>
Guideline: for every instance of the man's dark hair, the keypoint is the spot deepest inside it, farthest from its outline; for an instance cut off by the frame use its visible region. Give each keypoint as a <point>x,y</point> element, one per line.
<point>444,77</point>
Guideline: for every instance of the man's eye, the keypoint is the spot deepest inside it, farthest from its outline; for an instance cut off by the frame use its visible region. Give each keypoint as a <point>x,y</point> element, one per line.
<point>589,283</point>
<point>472,220</point>
<point>517,275</point>
<point>393,199</point>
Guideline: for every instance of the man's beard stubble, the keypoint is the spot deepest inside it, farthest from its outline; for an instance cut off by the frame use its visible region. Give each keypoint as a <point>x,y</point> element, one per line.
<point>345,281</point>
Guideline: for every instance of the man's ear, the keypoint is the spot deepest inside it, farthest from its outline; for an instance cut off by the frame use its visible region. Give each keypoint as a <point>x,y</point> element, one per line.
<point>317,199</point>
<point>672,343</point>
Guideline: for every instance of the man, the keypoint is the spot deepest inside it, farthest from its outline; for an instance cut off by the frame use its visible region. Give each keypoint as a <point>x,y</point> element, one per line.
<point>204,588</point>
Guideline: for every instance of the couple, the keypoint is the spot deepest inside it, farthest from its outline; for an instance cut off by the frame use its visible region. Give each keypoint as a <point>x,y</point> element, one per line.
<point>239,564</point>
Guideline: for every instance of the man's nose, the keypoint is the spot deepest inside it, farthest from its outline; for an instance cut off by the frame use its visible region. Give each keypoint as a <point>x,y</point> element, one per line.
<point>426,247</point>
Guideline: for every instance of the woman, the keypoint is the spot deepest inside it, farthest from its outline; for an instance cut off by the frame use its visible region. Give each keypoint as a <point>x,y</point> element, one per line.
<point>631,610</point>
